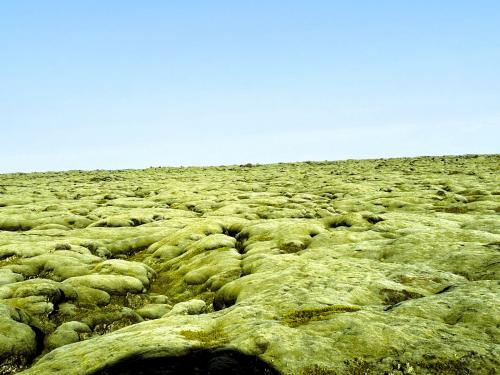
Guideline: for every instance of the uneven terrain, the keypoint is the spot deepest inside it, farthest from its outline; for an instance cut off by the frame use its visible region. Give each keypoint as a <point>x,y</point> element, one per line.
<point>350,267</point>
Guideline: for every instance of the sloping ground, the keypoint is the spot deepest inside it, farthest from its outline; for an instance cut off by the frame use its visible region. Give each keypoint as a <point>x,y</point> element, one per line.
<point>352,267</point>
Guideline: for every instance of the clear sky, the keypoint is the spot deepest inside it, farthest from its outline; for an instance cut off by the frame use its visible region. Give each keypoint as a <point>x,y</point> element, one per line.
<point>129,84</point>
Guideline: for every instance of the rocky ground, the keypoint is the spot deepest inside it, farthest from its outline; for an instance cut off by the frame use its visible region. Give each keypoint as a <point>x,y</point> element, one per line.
<point>350,267</point>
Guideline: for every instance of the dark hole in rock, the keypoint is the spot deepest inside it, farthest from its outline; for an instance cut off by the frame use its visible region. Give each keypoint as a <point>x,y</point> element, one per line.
<point>198,362</point>
<point>240,237</point>
<point>239,247</point>
<point>231,232</point>
<point>222,301</point>
<point>135,222</point>
<point>336,223</point>
<point>292,246</point>
<point>374,219</point>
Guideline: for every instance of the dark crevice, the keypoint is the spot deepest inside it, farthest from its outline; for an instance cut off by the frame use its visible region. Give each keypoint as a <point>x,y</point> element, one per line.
<point>230,232</point>
<point>374,219</point>
<point>136,222</point>
<point>239,247</point>
<point>222,301</point>
<point>198,362</point>
<point>338,221</point>
<point>240,237</point>
<point>449,287</point>
<point>17,228</point>
<point>39,338</point>
<point>127,255</point>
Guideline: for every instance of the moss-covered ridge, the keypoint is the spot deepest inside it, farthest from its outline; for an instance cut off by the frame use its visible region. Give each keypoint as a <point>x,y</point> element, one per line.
<point>369,266</point>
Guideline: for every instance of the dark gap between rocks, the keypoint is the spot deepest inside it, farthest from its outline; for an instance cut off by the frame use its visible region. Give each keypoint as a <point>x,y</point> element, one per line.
<point>198,362</point>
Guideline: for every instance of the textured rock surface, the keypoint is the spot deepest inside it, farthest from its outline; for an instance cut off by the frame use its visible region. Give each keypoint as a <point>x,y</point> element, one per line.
<point>351,267</point>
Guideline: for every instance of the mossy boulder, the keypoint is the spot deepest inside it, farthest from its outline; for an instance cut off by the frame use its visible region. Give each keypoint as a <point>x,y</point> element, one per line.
<point>66,333</point>
<point>113,284</point>
<point>93,296</point>
<point>192,307</point>
<point>154,310</point>
<point>18,344</point>
<point>9,277</point>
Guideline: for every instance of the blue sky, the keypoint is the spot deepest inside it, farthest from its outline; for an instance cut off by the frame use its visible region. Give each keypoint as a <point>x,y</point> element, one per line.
<point>131,84</point>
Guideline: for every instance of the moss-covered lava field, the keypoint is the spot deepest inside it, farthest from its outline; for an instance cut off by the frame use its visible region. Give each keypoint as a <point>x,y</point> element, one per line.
<point>386,266</point>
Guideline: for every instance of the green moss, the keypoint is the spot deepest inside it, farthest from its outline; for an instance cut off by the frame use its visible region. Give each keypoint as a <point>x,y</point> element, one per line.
<point>317,370</point>
<point>214,337</point>
<point>467,364</point>
<point>253,241</point>
<point>302,316</point>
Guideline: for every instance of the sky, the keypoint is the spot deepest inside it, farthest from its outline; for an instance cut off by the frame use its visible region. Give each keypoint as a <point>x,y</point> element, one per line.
<point>131,84</point>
